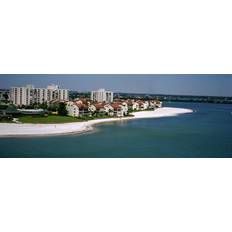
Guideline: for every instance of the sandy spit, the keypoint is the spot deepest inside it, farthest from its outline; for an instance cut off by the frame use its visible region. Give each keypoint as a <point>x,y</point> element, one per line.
<point>15,130</point>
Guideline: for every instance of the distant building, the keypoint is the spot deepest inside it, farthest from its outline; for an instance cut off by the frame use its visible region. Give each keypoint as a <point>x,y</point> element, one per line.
<point>102,95</point>
<point>29,94</point>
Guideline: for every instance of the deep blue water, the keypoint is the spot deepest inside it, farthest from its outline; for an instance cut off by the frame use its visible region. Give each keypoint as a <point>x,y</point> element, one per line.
<point>205,133</point>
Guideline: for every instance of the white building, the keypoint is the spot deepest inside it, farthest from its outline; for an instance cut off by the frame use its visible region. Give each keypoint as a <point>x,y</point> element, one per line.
<point>73,109</point>
<point>143,105</point>
<point>102,95</point>
<point>124,108</point>
<point>159,104</point>
<point>120,110</point>
<point>109,109</point>
<point>135,106</point>
<point>29,94</point>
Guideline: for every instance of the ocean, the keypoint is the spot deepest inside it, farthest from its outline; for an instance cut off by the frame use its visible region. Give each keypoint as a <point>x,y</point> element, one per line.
<point>207,132</point>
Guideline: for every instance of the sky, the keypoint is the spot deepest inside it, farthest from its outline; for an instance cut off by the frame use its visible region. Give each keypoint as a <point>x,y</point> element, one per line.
<point>189,84</point>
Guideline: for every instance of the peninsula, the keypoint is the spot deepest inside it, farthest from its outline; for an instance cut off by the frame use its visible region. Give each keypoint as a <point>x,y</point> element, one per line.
<point>32,111</point>
<point>27,129</point>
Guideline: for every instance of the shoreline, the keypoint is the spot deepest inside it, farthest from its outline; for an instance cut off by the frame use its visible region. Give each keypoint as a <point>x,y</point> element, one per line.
<point>41,130</point>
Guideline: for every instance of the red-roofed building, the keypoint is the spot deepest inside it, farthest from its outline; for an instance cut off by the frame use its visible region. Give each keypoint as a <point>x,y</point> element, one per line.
<point>120,110</point>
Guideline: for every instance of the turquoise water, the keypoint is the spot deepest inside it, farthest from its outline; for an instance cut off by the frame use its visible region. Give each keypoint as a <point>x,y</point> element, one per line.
<point>205,133</point>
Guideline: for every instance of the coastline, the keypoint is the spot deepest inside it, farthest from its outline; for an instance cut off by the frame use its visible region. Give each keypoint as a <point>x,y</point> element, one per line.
<point>26,130</point>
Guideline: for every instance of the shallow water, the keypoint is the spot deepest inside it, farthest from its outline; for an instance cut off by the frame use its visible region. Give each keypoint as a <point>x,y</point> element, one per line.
<point>205,133</point>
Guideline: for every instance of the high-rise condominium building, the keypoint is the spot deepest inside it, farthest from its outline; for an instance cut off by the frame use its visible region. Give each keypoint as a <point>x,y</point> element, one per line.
<point>102,95</point>
<point>29,94</point>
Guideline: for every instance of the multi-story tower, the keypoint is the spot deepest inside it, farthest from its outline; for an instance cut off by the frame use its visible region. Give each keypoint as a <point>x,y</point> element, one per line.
<point>29,94</point>
<point>102,95</point>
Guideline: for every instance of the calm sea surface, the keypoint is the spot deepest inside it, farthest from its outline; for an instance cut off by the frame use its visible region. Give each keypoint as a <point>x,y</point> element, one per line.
<point>205,133</point>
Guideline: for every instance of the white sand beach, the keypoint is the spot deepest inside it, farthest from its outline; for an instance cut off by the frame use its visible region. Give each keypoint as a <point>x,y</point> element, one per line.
<point>11,129</point>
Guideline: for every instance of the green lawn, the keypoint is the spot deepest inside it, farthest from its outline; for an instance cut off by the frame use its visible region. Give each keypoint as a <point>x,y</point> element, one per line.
<point>48,119</point>
<point>59,119</point>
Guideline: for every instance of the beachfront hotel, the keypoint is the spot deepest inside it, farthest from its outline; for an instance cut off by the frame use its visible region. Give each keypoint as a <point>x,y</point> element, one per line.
<point>102,95</point>
<point>29,95</point>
